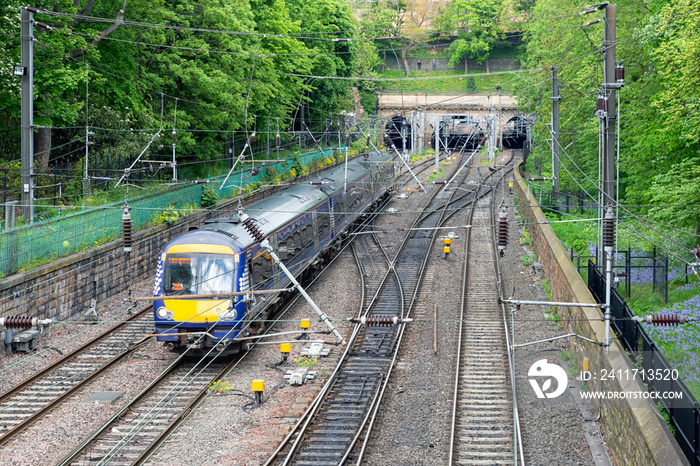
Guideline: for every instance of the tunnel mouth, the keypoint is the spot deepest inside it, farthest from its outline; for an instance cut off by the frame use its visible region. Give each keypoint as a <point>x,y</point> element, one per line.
<point>514,133</point>
<point>398,132</point>
<point>459,132</point>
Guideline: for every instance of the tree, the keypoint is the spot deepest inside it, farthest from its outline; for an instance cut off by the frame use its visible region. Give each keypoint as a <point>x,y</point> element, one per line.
<point>477,28</point>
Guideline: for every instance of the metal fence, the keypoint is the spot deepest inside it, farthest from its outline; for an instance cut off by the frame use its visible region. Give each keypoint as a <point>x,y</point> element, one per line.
<point>78,229</point>
<point>633,267</point>
<point>684,413</point>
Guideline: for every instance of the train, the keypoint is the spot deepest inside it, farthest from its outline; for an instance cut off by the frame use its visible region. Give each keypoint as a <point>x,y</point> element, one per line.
<point>305,224</point>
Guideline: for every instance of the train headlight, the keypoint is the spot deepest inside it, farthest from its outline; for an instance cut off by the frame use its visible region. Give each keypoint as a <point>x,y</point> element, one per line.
<point>163,313</point>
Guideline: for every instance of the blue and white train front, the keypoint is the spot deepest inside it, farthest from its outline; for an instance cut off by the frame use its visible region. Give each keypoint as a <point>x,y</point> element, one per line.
<point>205,265</point>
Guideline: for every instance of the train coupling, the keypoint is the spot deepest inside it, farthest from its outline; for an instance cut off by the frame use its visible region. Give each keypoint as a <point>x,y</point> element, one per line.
<point>379,321</point>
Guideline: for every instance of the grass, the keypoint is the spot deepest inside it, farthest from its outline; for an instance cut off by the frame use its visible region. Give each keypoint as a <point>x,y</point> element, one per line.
<point>457,84</point>
<point>436,176</point>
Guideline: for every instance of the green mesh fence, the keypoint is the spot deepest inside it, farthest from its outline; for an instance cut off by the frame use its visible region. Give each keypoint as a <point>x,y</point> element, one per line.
<point>29,246</point>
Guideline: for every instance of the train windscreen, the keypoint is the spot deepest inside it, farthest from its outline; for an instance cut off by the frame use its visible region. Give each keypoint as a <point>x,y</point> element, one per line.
<point>198,273</point>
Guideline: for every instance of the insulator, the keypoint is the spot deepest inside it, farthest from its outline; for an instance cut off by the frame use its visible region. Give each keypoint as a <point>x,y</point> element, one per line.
<point>250,139</point>
<point>666,319</point>
<point>347,140</point>
<point>278,142</point>
<point>601,104</point>
<point>380,321</point>
<point>174,138</point>
<point>126,229</point>
<point>609,230</point>
<point>252,228</point>
<point>502,230</point>
<point>368,141</point>
<point>254,172</point>
<point>18,322</point>
<point>620,73</point>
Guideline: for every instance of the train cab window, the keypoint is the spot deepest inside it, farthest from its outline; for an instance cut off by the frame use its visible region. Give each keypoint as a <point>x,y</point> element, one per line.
<point>197,273</point>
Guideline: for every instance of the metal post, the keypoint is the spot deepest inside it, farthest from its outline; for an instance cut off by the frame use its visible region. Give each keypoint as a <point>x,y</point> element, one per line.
<point>27,122</point>
<point>437,137</point>
<point>421,122</point>
<point>610,81</point>
<point>555,135</point>
<point>437,147</point>
<point>174,143</point>
<point>498,124</point>
<point>87,127</point>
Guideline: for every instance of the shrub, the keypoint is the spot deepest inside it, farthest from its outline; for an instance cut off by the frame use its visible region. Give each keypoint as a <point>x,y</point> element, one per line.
<point>210,197</point>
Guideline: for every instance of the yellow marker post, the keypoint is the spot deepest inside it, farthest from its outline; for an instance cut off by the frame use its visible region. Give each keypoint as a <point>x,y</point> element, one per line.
<point>258,387</point>
<point>585,364</point>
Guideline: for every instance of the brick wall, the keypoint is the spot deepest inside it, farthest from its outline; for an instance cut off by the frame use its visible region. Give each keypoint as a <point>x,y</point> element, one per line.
<point>634,430</point>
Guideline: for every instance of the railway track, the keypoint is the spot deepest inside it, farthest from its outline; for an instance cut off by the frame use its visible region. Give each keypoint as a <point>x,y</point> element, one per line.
<point>25,403</point>
<point>139,427</point>
<point>338,424</point>
<point>484,428</point>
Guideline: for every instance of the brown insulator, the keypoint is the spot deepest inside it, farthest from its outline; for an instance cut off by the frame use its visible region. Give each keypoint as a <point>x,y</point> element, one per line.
<point>18,322</point>
<point>126,229</point>
<point>609,229</point>
<point>665,319</point>
<point>379,321</point>
<point>502,230</point>
<point>601,104</point>
<point>278,142</point>
<point>620,73</point>
<point>252,228</point>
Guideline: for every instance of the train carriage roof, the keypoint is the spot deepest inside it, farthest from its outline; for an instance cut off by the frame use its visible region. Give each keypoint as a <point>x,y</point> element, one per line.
<point>279,209</point>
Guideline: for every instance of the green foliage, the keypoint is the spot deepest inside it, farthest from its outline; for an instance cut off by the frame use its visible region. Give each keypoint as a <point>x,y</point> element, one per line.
<point>525,239</point>
<point>477,27</point>
<point>528,259</point>
<point>210,196</point>
<point>171,214</point>
<point>305,361</point>
<point>436,176</point>
<point>220,386</point>
<point>666,416</point>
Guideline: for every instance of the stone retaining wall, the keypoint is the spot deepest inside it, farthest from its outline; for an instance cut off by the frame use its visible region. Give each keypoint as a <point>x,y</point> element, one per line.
<point>634,430</point>
<point>443,64</point>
